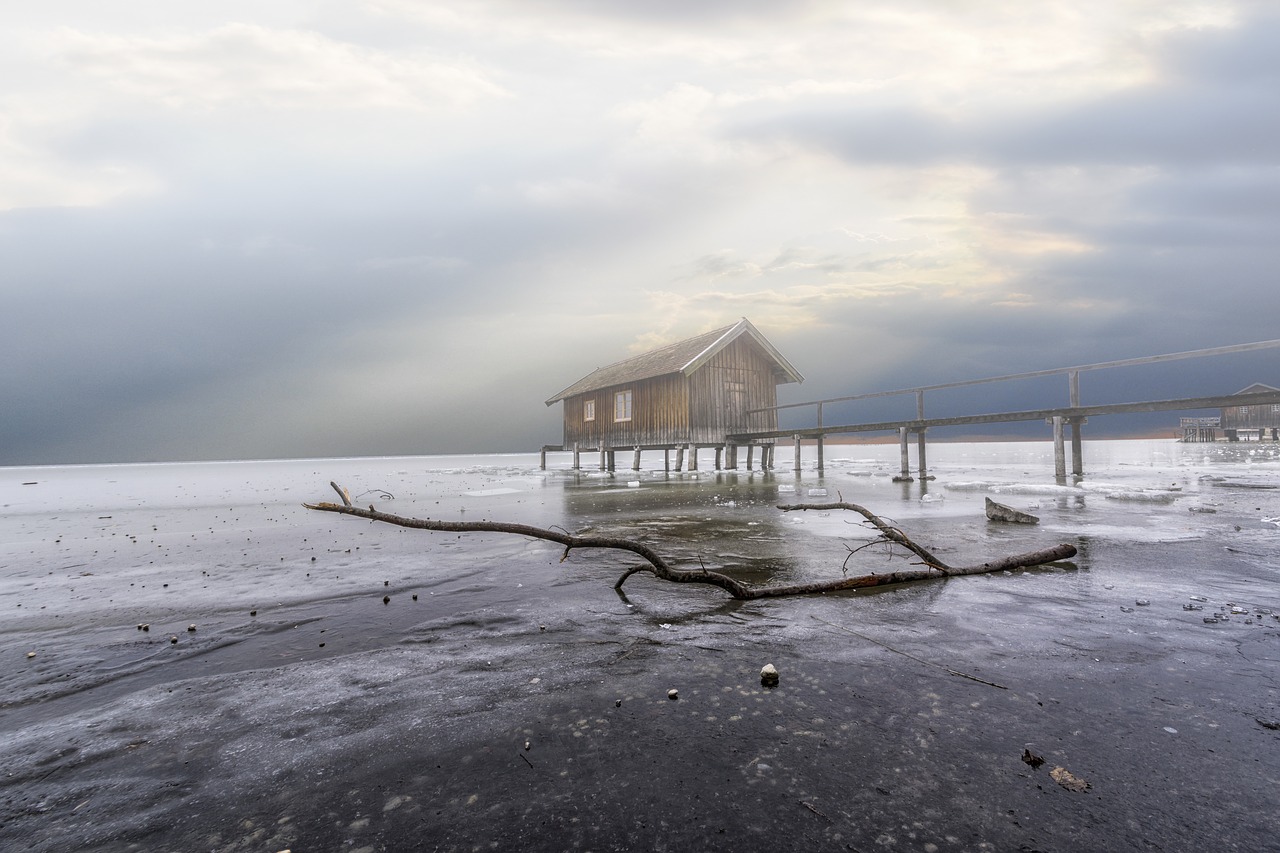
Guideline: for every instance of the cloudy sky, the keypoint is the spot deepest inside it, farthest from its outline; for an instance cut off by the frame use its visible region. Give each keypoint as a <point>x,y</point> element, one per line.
<point>288,228</point>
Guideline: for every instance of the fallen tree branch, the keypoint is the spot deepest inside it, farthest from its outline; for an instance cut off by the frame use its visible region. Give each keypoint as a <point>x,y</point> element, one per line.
<point>656,565</point>
<point>887,531</point>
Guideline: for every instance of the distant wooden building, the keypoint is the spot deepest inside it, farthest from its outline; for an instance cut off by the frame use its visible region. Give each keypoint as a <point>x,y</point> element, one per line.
<point>690,394</point>
<point>1262,419</point>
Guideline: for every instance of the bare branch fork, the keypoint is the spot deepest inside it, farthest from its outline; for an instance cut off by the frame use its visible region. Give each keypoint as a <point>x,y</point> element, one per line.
<point>656,565</point>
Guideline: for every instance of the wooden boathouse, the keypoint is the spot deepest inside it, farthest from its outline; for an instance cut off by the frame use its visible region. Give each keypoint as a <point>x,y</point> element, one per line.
<point>690,394</point>
<point>1261,419</point>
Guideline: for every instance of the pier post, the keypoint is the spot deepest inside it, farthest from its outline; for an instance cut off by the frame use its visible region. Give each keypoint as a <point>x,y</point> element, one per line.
<point>666,459</point>
<point>820,466</point>
<point>542,459</point>
<point>768,464</point>
<point>604,457</point>
<point>751,455</point>
<point>577,457</point>
<point>731,457</point>
<point>1077,448</point>
<point>924,472</point>
<point>613,460</point>
<point>1059,449</point>
<point>680,458</point>
<point>693,457</point>
<point>635,460</point>
<point>797,447</point>
<point>905,476</point>
<point>719,457</point>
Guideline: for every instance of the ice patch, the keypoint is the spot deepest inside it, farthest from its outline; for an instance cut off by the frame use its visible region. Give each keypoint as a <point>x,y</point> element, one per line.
<point>1111,491</point>
<point>1015,488</point>
<point>1141,496</point>
<point>488,493</point>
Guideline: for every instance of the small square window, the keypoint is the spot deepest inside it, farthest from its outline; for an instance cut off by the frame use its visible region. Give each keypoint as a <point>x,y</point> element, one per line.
<point>588,410</point>
<point>622,406</point>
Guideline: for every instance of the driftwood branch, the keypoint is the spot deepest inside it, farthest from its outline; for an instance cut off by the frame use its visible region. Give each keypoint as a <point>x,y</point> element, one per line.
<point>656,565</point>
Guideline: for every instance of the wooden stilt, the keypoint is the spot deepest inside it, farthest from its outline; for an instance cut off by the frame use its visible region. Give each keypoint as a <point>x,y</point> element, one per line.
<point>751,455</point>
<point>1059,449</point>
<point>1077,447</point>
<point>680,458</point>
<point>922,465</point>
<point>577,457</point>
<point>719,457</point>
<point>905,475</point>
<point>635,460</point>
<point>693,457</point>
<point>666,459</point>
<point>604,458</point>
<point>820,463</point>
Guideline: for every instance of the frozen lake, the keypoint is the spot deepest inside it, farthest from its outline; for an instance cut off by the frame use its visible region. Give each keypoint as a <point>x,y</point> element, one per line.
<point>314,681</point>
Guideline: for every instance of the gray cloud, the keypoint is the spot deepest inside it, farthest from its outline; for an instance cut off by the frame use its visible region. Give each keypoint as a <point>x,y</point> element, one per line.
<point>398,230</point>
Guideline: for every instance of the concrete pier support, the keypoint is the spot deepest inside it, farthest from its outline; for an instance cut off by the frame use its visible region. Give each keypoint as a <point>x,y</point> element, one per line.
<point>820,462</point>
<point>731,457</point>
<point>719,457</point>
<point>751,455</point>
<point>797,447</point>
<point>680,458</point>
<point>693,457</point>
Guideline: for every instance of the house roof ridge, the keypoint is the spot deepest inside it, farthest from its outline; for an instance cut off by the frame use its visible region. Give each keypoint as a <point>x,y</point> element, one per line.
<point>683,356</point>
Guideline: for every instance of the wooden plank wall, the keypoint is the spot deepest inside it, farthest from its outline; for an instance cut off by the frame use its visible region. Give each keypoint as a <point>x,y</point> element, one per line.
<point>1251,417</point>
<point>659,415</point>
<point>739,378</point>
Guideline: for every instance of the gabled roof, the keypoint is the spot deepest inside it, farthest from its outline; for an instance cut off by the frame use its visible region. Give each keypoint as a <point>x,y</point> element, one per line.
<point>682,357</point>
<point>1257,388</point>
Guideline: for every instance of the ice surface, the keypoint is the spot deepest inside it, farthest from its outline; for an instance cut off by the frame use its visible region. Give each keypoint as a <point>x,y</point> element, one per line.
<point>298,674</point>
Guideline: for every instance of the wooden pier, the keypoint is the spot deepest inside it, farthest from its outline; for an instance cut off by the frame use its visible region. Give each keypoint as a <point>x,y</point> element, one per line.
<point>1199,430</point>
<point>1073,414</point>
<point>1058,419</point>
